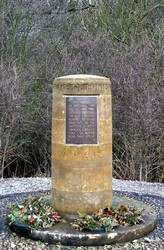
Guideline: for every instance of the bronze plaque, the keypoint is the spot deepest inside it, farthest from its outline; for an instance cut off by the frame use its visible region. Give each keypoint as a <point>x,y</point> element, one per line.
<point>81,119</point>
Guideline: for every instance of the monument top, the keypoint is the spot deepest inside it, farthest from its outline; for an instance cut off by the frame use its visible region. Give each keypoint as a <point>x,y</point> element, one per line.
<point>82,76</point>
<point>82,84</point>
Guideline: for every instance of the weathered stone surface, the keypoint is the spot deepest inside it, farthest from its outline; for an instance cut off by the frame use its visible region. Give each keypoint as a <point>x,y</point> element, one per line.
<point>64,234</point>
<point>82,172</point>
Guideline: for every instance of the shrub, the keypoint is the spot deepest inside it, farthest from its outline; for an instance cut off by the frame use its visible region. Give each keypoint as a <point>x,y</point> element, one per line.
<point>45,39</point>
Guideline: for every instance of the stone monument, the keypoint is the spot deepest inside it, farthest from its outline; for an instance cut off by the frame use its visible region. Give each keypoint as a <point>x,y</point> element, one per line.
<point>81,144</point>
<point>82,165</point>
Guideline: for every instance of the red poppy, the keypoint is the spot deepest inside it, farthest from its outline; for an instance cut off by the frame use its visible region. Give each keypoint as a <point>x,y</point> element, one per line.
<point>109,212</point>
<point>55,217</point>
<point>31,221</point>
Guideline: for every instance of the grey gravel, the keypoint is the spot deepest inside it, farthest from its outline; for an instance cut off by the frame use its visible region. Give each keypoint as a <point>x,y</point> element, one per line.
<point>17,185</point>
<point>150,193</point>
<point>20,185</point>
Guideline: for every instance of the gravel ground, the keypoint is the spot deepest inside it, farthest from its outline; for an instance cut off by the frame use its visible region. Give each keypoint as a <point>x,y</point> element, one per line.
<point>15,189</point>
<point>17,185</point>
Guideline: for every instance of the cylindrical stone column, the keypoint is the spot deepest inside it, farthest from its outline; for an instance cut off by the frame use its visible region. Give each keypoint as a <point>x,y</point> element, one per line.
<point>81,144</point>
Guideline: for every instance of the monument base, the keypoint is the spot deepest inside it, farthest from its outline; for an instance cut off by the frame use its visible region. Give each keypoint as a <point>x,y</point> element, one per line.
<point>62,233</point>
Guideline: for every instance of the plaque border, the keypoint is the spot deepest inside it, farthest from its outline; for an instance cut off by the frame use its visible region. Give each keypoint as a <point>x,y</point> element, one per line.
<point>78,144</point>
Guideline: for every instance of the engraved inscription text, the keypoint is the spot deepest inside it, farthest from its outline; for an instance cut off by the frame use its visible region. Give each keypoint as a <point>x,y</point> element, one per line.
<point>81,119</point>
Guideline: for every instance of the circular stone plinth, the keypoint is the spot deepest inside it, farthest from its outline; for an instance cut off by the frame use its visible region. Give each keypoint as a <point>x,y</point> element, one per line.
<point>62,233</point>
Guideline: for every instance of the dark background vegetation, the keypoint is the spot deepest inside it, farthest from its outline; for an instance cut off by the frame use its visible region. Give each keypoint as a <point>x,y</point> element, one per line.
<point>41,40</point>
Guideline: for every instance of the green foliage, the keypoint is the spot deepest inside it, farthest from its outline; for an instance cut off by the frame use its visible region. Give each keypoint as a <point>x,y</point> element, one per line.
<point>18,23</point>
<point>109,218</point>
<point>123,20</point>
<point>34,212</point>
